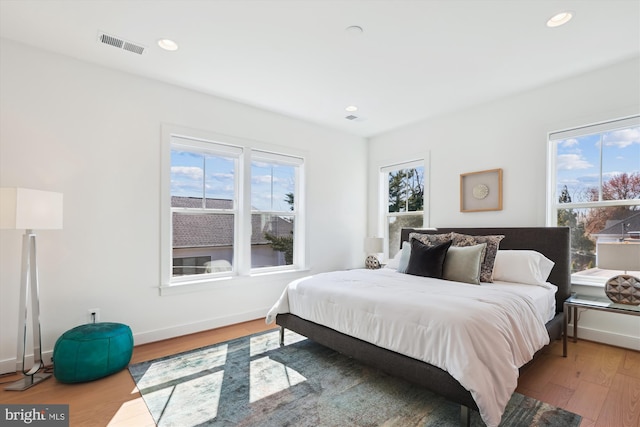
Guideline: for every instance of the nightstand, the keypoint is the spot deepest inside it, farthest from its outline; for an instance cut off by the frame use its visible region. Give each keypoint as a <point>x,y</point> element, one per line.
<point>574,302</point>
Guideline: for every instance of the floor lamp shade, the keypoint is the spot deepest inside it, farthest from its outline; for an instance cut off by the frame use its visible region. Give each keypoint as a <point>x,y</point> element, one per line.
<point>624,256</point>
<point>27,209</point>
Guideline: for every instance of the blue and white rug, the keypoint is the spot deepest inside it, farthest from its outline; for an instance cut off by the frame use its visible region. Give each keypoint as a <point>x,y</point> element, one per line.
<point>252,381</point>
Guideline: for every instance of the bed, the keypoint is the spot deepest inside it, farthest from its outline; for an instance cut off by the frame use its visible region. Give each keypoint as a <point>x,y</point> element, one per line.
<point>552,242</point>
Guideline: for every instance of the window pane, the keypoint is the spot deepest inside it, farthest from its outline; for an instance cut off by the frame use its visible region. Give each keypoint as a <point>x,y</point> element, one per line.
<point>406,190</point>
<point>597,225</point>
<point>197,175</point>
<point>578,169</point>
<point>271,240</point>
<point>395,225</point>
<point>196,236</point>
<point>272,186</point>
<point>578,166</point>
<point>620,159</point>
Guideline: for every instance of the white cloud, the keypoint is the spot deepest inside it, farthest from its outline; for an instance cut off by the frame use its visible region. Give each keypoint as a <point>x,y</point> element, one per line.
<point>622,138</point>
<point>189,172</point>
<point>222,176</point>
<point>572,162</point>
<point>569,142</point>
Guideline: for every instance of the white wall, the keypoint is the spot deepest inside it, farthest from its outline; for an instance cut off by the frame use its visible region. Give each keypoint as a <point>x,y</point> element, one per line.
<point>511,134</point>
<point>94,135</point>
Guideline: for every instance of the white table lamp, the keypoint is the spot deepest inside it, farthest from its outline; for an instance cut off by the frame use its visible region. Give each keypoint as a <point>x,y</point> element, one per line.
<point>624,256</point>
<point>22,208</point>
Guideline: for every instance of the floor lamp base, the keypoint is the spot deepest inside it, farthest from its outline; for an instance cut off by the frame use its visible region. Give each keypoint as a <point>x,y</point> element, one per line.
<point>27,382</point>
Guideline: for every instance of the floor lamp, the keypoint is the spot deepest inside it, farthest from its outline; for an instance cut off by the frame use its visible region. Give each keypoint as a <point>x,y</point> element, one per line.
<point>26,209</point>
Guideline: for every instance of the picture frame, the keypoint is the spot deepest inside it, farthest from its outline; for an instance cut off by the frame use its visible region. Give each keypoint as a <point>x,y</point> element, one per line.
<point>481,191</point>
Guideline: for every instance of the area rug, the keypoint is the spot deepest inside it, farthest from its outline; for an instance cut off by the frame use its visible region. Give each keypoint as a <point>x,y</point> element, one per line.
<point>252,381</point>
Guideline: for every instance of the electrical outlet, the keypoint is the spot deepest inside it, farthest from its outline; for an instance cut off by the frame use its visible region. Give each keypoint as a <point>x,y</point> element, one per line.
<point>94,315</point>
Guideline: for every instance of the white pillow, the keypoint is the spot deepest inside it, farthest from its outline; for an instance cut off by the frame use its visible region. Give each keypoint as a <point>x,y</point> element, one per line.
<point>395,261</point>
<point>522,266</point>
<point>405,254</point>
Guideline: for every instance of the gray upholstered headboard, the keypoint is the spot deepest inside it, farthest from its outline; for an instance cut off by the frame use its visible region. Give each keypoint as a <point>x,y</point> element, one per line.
<point>552,242</point>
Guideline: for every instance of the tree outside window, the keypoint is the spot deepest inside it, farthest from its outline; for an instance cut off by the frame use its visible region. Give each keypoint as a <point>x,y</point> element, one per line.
<point>405,201</point>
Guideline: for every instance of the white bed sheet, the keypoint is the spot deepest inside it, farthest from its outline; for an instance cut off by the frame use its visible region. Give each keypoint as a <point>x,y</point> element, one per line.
<point>544,298</point>
<point>480,335</point>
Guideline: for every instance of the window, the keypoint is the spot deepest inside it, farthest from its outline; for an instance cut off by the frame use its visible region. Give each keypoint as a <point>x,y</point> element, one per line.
<point>274,209</point>
<point>403,192</point>
<point>204,206</point>
<point>594,188</point>
<point>232,210</point>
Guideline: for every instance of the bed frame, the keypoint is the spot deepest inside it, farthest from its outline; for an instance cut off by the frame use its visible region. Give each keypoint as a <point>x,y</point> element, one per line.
<point>553,242</point>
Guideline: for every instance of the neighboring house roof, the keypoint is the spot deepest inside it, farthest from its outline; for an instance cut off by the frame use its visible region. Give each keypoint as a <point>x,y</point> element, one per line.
<point>616,228</point>
<point>192,231</point>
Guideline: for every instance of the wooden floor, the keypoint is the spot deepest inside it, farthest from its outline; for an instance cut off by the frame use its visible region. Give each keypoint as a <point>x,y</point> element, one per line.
<point>599,382</point>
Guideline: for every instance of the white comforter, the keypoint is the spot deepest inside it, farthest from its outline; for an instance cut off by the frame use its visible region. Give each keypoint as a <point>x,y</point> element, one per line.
<point>479,336</point>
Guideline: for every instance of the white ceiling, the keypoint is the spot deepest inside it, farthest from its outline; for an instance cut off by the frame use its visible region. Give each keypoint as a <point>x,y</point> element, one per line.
<point>414,59</point>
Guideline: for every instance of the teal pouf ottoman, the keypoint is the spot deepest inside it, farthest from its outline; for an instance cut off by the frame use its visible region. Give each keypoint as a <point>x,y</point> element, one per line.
<point>92,351</point>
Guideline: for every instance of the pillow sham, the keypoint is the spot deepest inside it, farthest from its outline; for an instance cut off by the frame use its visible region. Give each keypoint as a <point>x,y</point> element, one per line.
<point>431,239</point>
<point>522,266</point>
<point>463,263</point>
<point>427,261</point>
<point>493,242</point>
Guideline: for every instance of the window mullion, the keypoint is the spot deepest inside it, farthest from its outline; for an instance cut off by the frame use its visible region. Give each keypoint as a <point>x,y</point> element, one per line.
<point>243,246</point>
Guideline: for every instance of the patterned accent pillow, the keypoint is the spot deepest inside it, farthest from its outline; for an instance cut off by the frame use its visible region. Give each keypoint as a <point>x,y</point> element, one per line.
<point>430,239</point>
<point>493,242</point>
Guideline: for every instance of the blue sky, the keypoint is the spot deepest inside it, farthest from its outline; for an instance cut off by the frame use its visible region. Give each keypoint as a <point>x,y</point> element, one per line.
<point>269,182</point>
<point>578,159</point>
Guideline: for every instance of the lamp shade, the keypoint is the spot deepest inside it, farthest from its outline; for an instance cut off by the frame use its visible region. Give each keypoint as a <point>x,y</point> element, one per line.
<point>619,256</point>
<point>373,245</point>
<point>24,208</point>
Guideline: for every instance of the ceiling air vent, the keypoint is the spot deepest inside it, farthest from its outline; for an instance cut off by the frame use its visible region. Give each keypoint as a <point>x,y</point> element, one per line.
<point>120,43</point>
<point>351,117</point>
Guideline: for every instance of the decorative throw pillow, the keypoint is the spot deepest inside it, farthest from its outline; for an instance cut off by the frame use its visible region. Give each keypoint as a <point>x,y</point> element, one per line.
<point>493,242</point>
<point>522,266</point>
<point>431,239</point>
<point>463,263</point>
<point>427,261</point>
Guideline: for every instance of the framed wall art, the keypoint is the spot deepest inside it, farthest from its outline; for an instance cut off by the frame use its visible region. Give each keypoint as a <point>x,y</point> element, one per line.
<point>481,191</point>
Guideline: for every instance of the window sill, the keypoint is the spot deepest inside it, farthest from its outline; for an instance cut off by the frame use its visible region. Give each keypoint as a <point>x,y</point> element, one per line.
<point>587,283</point>
<point>226,282</point>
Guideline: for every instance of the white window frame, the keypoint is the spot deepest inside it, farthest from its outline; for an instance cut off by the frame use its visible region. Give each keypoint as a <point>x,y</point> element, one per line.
<point>246,151</point>
<point>553,205</point>
<point>298,201</point>
<point>213,148</point>
<point>383,197</point>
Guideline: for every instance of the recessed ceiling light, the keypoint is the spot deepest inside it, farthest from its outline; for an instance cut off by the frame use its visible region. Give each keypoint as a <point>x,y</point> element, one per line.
<point>559,19</point>
<point>351,108</point>
<point>167,44</point>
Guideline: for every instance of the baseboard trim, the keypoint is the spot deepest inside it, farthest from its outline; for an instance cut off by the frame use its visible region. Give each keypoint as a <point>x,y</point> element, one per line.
<point>191,328</point>
<point>13,365</point>
<point>606,337</point>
